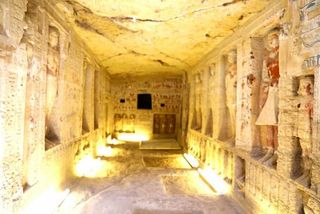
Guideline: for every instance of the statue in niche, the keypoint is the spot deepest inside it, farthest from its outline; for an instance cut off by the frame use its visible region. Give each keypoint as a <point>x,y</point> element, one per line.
<point>198,102</point>
<point>231,90</point>
<point>117,123</point>
<point>209,127</point>
<point>268,117</point>
<point>124,118</point>
<point>132,119</point>
<point>303,128</point>
<point>53,63</point>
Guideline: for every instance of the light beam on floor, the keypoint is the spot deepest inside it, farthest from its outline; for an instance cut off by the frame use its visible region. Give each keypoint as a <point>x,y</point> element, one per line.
<point>214,180</point>
<point>191,160</point>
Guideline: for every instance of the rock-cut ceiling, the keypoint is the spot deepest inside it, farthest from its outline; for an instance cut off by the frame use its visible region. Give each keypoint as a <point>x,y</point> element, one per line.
<point>155,36</point>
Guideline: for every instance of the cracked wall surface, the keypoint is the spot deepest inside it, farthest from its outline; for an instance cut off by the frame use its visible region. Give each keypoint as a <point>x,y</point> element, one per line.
<point>145,37</point>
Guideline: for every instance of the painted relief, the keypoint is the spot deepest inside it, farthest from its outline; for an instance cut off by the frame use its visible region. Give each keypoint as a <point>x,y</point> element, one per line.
<point>269,108</point>
<point>309,32</point>
<point>303,126</point>
<point>164,124</point>
<point>231,89</point>
<point>170,123</point>
<point>166,95</point>
<point>124,123</point>
<point>310,17</point>
<point>53,63</point>
<point>156,123</point>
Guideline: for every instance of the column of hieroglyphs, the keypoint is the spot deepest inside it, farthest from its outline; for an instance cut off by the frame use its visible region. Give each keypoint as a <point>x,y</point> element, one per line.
<point>13,64</point>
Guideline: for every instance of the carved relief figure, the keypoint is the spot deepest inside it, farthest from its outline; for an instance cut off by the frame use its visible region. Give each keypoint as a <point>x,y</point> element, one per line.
<point>53,63</point>
<point>268,116</point>
<point>304,126</point>
<point>125,122</point>
<point>211,82</point>
<point>198,84</point>
<point>171,124</point>
<point>156,124</point>
<point>231,89</point>
<point>117,123</point>
<point>162,120</point>
<point>1,20</point>
<point>132,120</point>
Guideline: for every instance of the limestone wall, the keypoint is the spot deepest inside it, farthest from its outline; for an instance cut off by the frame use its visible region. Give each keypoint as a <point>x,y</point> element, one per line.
<point>164,117</point>
<point>42,101</point>
<point>13,75</point>
<point>271,161</point>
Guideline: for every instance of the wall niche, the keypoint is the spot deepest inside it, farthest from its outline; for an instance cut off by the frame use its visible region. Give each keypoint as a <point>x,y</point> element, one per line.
<point>303,128</point>
<point>197,112</point>
<point>239,176</point>
<point>209,95</point>
<point>52,79</point>
<point>88,98</point>
<point>231,94</point>
<point>267,120</point>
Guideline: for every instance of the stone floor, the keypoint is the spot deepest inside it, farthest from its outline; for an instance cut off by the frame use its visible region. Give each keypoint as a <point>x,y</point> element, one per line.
<point>167,144</point>
<point>145,182</point>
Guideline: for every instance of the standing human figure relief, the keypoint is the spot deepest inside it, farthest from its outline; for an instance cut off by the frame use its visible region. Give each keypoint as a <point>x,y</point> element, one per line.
<point>303,127</point>
<point>198,102</point>
<point>117,123</point>
<point>231,90</point>
<point>269,98</point>
<point>53,63</point>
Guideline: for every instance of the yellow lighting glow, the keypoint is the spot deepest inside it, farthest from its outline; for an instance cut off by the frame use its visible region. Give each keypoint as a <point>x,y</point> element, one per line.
<point>48,202</point>
<point>114,141</point>
<point>133,137</point>
<point>191,160</point>
<point>214,180</point>
<point>105,151</point>
<point>108,138</point>
<point>88,167</point>
<point>111,140</point>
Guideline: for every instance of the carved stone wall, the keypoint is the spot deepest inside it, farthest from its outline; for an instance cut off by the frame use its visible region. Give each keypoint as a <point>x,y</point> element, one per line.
<point>30,161</point>
<point>88,100</point>
<point>34,131</point>
<point>289,182</point>
<point>13,76</point>
<point>249,72</point>
<point>166,96</point>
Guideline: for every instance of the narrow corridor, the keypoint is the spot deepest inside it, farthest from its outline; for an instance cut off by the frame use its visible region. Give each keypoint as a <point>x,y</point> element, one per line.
<point>145,181</point>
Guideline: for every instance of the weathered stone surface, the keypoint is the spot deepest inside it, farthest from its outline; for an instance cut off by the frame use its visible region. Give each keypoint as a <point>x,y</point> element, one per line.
<point>208,67</point>
<point>153,37</point>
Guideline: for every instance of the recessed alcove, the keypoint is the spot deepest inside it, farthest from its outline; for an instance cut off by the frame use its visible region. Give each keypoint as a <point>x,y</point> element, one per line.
<point>144,101</point>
